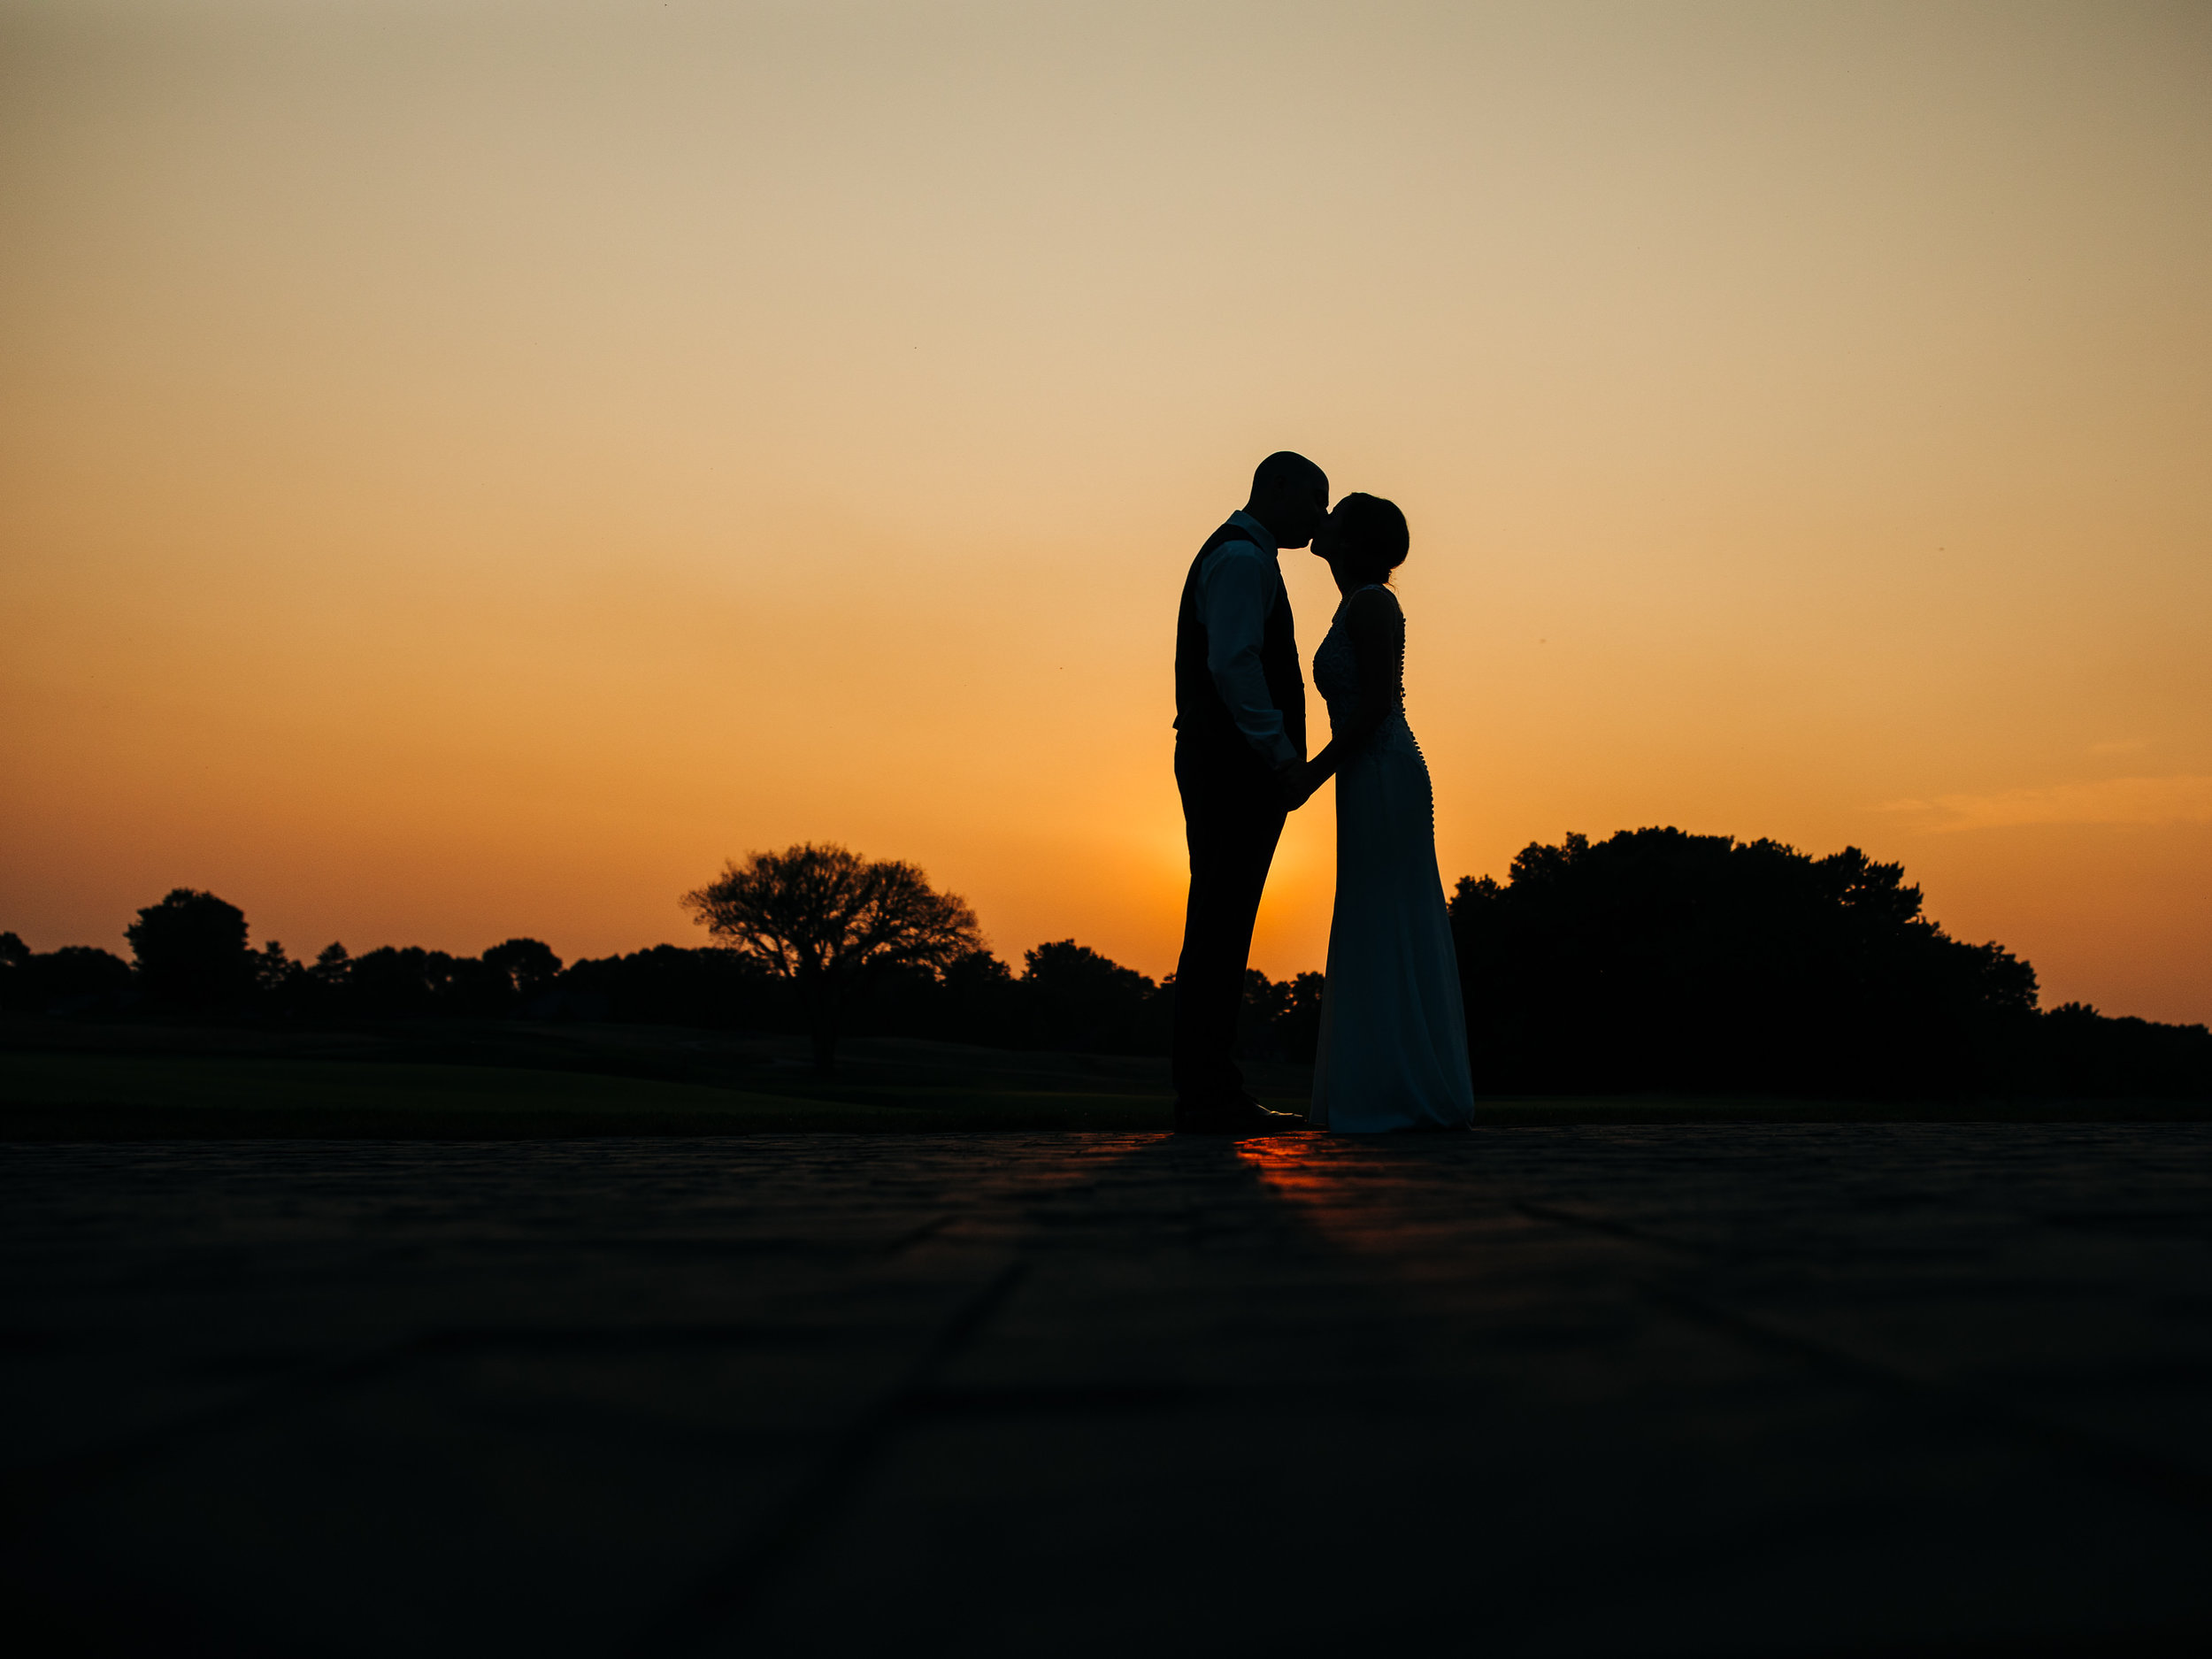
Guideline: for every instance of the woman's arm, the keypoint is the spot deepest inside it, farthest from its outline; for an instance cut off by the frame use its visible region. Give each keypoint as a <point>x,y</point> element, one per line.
<point>1377,630</point>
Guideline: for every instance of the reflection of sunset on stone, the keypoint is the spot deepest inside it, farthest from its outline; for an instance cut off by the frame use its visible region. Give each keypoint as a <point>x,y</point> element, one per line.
<point>1342,1186</point>
<point>1289,1163</point>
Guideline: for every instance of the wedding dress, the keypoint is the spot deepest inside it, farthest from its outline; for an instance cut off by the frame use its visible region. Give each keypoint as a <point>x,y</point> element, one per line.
<point>1393,1032</point>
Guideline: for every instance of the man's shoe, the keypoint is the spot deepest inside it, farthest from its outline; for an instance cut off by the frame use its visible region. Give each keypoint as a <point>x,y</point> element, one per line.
<point>1245,1117</point>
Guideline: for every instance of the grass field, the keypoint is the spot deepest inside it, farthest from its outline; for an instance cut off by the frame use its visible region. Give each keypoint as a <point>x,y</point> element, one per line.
<point>124,1086</point>
<point>48,1095</point>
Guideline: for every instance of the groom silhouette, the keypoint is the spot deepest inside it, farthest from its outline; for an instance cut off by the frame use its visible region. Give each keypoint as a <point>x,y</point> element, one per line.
<point>1240,765</point>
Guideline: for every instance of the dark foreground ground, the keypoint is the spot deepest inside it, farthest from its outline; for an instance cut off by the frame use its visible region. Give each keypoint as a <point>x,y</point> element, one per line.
<point>64,1081</point>
<point>1912,1388</point>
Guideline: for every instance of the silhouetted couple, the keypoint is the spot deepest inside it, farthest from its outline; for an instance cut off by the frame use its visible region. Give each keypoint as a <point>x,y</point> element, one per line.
<point>1393,1053</point>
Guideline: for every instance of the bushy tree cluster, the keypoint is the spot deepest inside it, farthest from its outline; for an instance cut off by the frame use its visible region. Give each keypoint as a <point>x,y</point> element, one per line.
<point>75,980</point>
<point>513,979</point>
<point>189,956</point>
<point>2077,1051</point>
<point>1661,960</point>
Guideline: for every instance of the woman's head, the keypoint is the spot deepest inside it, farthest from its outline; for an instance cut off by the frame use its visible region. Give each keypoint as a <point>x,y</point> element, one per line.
<point>1365,539</point>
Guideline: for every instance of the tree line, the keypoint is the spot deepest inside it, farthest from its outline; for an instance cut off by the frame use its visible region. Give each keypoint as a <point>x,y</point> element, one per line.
<point>1660,960</point>
<point>1652,960</point>
<point>191,960</point>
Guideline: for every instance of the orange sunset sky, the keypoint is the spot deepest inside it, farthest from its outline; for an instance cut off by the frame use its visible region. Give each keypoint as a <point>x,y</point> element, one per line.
<point>467,468</point>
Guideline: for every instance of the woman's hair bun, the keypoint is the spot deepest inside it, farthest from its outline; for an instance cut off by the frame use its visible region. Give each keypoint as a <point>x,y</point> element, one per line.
<point>1374,530</point>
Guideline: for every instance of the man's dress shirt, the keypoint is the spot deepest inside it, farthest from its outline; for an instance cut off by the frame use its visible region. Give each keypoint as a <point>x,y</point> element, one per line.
<point>1239,586</point>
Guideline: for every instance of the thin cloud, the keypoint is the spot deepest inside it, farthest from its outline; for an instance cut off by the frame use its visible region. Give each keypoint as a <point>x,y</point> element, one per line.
<point>2184,799</point>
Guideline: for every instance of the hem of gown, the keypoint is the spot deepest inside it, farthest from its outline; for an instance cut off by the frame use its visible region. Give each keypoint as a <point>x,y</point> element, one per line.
<point>1318,1115</point>
<point>1406,1129</point>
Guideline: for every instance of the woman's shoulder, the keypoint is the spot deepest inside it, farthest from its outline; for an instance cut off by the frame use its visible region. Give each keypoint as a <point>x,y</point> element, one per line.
<point>1372,603</point>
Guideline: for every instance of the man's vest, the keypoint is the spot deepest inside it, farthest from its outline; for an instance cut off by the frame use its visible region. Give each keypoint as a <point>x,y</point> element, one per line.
<point>1203,719</point>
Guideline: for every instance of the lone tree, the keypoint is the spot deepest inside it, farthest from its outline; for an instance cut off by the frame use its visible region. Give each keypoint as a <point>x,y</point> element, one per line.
<point>191,950</point>
<point>829,920</point>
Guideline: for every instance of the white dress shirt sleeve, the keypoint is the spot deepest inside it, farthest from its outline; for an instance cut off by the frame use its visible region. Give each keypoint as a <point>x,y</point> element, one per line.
<point>1237,589</point>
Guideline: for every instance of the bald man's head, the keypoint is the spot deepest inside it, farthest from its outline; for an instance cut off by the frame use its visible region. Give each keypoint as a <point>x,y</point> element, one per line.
<point>1290,496</point>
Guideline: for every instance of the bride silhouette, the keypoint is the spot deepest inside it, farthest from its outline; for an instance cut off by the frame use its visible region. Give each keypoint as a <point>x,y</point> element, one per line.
<point>1393,1053</point>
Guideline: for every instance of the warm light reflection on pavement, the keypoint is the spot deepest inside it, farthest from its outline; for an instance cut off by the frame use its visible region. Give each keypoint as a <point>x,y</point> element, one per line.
<point>1419,1199</point>
<point>1290,1164</point>
<point>1333,1179</point>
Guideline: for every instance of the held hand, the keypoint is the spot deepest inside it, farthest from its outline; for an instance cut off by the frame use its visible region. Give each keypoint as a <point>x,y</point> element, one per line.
<point>1295,785</point>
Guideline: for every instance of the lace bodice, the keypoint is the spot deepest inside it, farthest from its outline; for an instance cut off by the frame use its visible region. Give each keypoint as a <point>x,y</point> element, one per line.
<point>1336,666</point>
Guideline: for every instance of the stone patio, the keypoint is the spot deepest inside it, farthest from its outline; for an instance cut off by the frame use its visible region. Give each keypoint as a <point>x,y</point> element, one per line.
<point>1799,1389</point>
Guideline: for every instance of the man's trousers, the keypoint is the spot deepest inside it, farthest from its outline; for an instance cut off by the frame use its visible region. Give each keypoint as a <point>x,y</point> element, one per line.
<point>1232,818</point>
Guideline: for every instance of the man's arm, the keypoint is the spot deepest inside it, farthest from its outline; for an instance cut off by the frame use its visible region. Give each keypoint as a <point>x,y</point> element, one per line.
<point>1237,589</point>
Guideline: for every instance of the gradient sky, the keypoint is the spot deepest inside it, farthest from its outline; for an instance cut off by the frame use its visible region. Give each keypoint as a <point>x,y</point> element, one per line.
<point>466,469</point>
